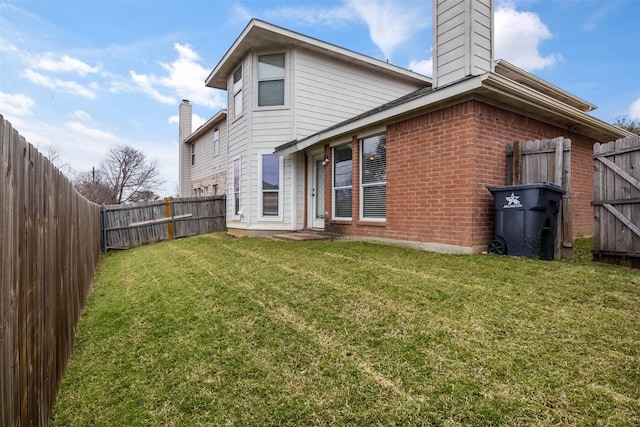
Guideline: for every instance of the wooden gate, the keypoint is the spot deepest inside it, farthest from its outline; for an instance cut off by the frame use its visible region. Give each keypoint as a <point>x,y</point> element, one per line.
<point>547,160</point>
<point>616,232</point>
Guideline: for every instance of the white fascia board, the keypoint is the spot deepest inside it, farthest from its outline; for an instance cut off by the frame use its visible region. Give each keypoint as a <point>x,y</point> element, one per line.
<point>217,118</point>
<point>260,35</point>
<point>543,86</point>
<point>521,93</point>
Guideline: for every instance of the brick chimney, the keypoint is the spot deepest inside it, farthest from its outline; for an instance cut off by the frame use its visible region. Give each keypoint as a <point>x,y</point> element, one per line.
<point>462,39</point>
<point>184,130</point>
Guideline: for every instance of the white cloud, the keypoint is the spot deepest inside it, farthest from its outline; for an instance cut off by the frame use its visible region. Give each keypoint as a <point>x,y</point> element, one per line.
<point>240,13</point>
<point>15,104</point>
<point>634,110</point>
<point>518,36</point>
<point>88,134</point>
<point>49,62</point>
<point>424,66</point>
<point>390,22</point>
<point>196,121</point>
<point>314,15</point>
<point>185,80</point>
<point>145,83</point>
<point>81,115</point>
<point>59,85</point>
<point>5,46</point>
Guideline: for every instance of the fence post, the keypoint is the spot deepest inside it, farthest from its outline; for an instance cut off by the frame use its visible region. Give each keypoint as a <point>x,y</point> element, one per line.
<point>168,213</point>
<point>173,218</point>
<point>103,217</point>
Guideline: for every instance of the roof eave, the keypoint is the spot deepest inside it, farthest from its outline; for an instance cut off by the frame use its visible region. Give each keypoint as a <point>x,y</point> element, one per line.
<point>258,32</point>
<point>489,86</point>
<point>519,75</point>
<point>563,115</point>
<point>219,117</point>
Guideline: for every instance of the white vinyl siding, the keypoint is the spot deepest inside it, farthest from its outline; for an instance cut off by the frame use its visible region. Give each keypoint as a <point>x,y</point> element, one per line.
<point>328,91</point>
<point>373,178</point>
<point>463,45</point>
<point>207,162</point>
<point>342,182</point>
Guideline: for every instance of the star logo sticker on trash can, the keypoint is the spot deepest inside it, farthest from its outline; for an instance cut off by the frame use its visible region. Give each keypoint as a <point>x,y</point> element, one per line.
<point>513,201</point>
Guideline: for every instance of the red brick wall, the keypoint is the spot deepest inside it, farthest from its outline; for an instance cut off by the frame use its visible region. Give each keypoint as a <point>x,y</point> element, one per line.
<point>439,166</point>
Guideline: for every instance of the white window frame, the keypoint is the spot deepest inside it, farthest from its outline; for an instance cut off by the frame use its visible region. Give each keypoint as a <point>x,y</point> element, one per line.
<point>284,82</point>
<point>193,154</point>
<point>333,183</point>
<point>278,217</point>
<point>363,185</point>
<point>236,212</point>
<point>237,98</point>
<point>216,141</point>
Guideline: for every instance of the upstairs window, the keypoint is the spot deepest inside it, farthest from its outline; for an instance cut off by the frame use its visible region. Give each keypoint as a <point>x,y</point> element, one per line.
<point>193,154</point>
<point>271,80</point>
<point>216,141</point>
<point>237,93</point>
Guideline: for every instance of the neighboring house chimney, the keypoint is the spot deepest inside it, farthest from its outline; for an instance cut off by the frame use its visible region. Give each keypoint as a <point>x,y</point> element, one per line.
<point>462,39</point>
<point>184,130</point>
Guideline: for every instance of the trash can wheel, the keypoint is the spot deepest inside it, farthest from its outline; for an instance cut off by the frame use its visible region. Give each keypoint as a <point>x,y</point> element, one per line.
<point>498,247</point>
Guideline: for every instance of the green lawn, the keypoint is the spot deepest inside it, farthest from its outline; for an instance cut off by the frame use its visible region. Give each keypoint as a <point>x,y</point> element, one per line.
<point>213,330</point>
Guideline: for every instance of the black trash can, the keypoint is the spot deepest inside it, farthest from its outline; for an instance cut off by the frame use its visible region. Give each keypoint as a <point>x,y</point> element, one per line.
<point>525,219</point>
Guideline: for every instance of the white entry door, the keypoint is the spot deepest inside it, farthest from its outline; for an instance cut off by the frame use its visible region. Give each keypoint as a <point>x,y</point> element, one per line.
<point>316,191</point>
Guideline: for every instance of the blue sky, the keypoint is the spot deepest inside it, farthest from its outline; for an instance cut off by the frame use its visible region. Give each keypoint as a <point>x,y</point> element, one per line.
<point>85,76</point>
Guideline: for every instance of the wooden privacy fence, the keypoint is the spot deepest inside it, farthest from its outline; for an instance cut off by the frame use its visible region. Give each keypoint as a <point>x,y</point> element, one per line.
<point>129,226</point>
<point>49,251</point>
<point>616,203</point>
<point>547,160</point>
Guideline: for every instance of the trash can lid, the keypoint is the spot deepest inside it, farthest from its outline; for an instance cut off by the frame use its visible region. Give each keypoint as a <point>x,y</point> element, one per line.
<point>545,185</point>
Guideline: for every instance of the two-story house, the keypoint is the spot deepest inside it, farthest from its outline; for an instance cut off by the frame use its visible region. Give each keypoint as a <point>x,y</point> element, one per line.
<point>320,137</point>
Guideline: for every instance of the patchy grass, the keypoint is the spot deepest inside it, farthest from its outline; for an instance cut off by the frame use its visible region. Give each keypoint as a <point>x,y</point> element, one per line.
<point>218,331</point>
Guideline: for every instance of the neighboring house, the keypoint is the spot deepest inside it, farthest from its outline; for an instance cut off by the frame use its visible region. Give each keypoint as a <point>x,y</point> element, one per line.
<point>203,155</point>
<point>324,138</point>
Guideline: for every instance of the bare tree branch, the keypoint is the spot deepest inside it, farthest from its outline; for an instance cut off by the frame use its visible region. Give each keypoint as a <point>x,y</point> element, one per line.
<point>124,176</point>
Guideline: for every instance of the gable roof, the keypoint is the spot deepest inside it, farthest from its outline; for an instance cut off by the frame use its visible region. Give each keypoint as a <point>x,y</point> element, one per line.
<point>218,118</point>
<point>259,35</point>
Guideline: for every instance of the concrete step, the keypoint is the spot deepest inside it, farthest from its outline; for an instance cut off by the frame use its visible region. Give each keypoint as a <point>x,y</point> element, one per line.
<point>300,236</point>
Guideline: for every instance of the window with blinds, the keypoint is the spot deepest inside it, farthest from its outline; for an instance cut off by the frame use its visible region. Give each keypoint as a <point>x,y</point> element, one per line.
<point>237,92</point>
<point>373,178</point>
<point>270,186</point>
<point>216,141</point>
<point>270,80</point>
<point>236,187</point>
<point>342,181</point>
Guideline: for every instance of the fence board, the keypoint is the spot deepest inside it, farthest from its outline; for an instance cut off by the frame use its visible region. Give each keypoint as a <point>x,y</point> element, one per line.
<point>49,251</point>
<point>132,225</point>
<point>547,160</point>
<point>617,202</point>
